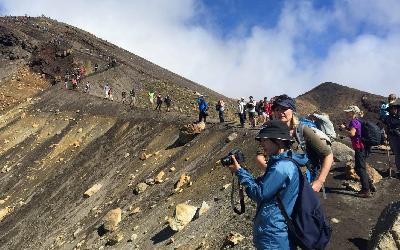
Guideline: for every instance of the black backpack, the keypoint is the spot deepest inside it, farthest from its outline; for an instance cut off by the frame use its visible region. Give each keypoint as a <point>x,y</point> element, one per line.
<point>371,134</point>
<point>307,225</point>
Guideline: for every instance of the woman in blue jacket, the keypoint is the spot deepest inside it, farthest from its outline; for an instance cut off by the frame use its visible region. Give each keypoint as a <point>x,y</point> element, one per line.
<point>270,230</point>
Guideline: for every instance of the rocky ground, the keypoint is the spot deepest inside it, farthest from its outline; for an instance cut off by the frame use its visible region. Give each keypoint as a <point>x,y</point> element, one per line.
<point>81,172</point>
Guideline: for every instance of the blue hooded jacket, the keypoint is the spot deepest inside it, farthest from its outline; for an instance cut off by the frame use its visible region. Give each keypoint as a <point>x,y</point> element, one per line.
<point>203,105</point>
<point>270,230</point>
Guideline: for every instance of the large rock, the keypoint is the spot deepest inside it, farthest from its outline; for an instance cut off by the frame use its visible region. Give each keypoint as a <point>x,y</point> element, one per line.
<point>233,239</point>
<point>184,214</point>
<point>190,131</point>
<point>112,219</point>
<point>4,212</point>
<point>386,233</point>
<point>91,191</point>
<point>341,152</point>
<point>183,180</point>
<point>140,188</point>
<point>351,173</point>
<point>231,137</point>
<point>160,177</point>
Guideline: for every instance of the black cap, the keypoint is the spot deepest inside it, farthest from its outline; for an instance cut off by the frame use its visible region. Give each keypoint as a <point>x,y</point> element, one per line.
<point>275,129</point>
<point>284,101</point>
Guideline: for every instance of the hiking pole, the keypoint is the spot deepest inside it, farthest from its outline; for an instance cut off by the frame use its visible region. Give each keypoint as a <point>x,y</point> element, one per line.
<point>323,192</point>
<point>388,157</point>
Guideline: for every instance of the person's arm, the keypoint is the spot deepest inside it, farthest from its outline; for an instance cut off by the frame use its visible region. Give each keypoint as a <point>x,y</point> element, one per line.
<point>324,151</point>
<point>265,189</point>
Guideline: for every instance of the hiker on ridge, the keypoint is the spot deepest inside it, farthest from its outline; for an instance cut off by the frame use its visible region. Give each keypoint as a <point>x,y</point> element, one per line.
<point>168,101</point>
<point>282,177</point>
<point>106,90</point>
<point>132,95</point>
<point>251,109</point>
<point>360,166</point>
<point>241,111</point>
<point>203,107</point>
<point>383,110</point>
<point>392,122</point>
<point>317,147</point>
<point>220,107</point>
<point>159,102</point>
<point>151,98</point>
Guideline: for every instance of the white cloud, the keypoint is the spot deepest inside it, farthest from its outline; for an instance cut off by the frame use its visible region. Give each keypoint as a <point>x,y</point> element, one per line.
<point>262,63</point>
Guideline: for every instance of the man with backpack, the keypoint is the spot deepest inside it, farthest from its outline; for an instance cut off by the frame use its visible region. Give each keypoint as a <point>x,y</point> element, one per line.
<point>168,101</point>
<point>288,211</point>
<point>383,110</point>
<point>203,107</point>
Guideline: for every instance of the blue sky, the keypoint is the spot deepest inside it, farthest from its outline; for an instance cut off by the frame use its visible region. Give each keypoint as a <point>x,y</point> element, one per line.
<point>240,47</point>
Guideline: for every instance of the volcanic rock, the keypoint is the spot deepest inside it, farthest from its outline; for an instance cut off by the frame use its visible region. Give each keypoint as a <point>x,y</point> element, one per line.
<point>112,219</point>
<point>386,233</point>
<point>341,152</point>
<point>140,188</point>
<point>231,137</point>
<point>91,191</point>
<point>233,239</point>
<point>159,177</point>
<point>183,180</point>
<point>184,214</point>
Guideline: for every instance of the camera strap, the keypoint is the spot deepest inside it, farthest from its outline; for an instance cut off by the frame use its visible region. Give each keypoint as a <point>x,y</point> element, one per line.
<point>241,196</point>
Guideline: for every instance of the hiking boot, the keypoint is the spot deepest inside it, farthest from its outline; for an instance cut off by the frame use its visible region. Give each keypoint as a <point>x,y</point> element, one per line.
<point>364,194</point>
<point>372,187</point>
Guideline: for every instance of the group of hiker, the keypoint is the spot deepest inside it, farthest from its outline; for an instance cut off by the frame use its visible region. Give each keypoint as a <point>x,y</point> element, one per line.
<point>289,142</point>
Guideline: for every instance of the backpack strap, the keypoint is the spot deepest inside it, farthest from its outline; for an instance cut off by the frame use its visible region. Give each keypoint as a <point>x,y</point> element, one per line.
<point>300,137</point>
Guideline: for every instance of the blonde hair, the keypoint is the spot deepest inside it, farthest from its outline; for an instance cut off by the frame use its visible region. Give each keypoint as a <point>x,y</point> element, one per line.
<point>294,122</point>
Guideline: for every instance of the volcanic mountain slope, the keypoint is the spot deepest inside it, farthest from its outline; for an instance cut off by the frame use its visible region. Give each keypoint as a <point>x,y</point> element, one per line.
<point>55,144</point>
<point>333,98</point>
<point>51,49</point>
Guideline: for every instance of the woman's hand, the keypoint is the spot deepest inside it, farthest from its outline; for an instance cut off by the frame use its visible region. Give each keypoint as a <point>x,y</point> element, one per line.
<point>235,166</point>
<point>317,185</point>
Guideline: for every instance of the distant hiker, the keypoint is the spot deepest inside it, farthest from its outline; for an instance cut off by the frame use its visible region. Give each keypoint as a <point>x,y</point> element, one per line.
<point>220,107</point>
<point>168,101</point>
<point>251,109</point>
<point>267,112</point>
<point>74,83</point>
<point>241,111</point>
<point>96,66</point>
<point>82,71</point>
<point>392,122</point>
<point>360,166</point>
<point>151,98</point>
<point>159,102</point>
<point>281,178</point>
<point>203,107</point>
<point>316,145</point>
<point>132,95</point>
<point>123,96</point>
<point>87,87</point>
<point>106,90</point>
<point>110,96</point>
<point>383,110</point>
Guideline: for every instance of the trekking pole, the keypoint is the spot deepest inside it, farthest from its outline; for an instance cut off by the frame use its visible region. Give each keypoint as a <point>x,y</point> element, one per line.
<point>323,192</point>
<point>388,156</point>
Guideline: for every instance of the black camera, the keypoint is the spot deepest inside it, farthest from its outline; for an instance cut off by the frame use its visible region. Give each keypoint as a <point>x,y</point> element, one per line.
<point>227,160</point>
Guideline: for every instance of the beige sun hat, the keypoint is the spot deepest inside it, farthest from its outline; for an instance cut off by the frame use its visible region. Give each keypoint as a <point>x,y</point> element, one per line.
<point>353,108</point>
